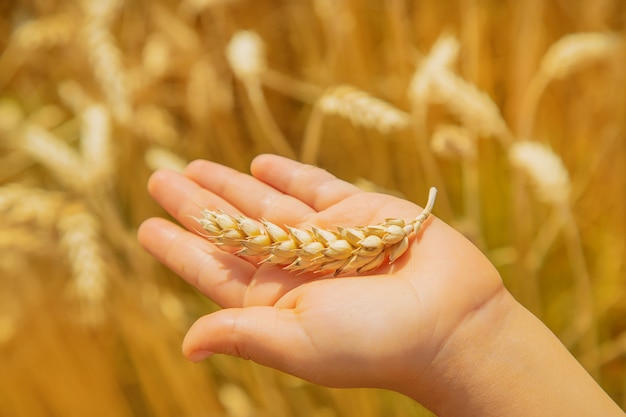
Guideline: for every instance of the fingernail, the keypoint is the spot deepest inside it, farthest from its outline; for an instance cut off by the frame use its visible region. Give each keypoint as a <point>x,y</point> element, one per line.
<point>198,355</point>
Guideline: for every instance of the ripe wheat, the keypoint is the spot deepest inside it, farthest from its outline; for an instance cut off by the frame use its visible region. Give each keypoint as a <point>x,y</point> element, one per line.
<point>545,170</point>
<point>81,238</point>
<point>345,250</point>
<point>246,54</point>
<point>451,141</point>
<point>576,50</point>
<point>105,58</point>
<point>96,144</point>
<point>363,109</point>
<point>59,157</point>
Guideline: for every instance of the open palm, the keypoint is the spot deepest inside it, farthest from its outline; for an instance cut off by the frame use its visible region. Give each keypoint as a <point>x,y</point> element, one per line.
<point>383,329</point>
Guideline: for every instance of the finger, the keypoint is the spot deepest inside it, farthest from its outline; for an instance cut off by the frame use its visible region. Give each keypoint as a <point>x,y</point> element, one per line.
<point>221,276</point>
<point>183,198</point>
<point>248,195</point>
<point>267,335</point>
<point>313,186</point>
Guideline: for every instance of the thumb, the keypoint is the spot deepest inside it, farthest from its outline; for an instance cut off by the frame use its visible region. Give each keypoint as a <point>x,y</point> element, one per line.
<point>266,335</point>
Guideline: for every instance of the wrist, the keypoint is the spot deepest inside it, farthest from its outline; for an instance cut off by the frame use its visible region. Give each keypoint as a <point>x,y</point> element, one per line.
<point>447,386</point>
<point>501,360</point>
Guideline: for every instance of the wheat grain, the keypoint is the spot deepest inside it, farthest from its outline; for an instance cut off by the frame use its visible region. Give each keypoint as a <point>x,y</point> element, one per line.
<point>545,170</point>
<point>344,250</point>
<point>574,51</point>
<point>362,109</point>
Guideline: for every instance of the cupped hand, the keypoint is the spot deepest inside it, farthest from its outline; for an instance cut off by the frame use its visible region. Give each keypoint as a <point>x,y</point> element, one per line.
<point>384,329</point>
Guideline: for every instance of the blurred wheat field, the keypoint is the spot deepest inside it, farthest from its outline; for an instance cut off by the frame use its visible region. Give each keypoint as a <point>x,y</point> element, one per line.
<point>515,110</point>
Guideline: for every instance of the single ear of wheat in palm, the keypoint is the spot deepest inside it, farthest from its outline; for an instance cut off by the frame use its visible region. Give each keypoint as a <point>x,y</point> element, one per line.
<point>347,249</point>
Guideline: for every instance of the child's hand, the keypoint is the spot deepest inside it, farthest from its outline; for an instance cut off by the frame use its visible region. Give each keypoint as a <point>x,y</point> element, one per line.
<point>437,324</point>
<point>381,330</point>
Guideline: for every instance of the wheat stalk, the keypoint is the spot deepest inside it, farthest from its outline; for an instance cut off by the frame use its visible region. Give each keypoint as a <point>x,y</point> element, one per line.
<point>359,249</point>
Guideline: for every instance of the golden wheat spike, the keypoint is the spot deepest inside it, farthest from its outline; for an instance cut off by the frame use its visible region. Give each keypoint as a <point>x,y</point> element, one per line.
<point>344,250</point>
<point>576,50</point>
<point>362,109</point>
<point>451,141</point>
<point>545,170</point>
<point>80,237</point>
<point>60,158</point>
<point>106,58</point>
<point>246,54</point>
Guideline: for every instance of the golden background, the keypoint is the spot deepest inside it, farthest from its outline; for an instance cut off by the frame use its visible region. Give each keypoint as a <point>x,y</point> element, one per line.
<point>96,95</point>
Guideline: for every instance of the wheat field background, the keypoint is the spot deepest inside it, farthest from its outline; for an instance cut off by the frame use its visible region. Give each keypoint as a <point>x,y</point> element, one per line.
<point>515,110</point>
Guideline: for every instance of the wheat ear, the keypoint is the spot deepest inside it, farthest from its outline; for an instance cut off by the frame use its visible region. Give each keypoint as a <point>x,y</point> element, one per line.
<point>344,250</point>
<point>246,55</point>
